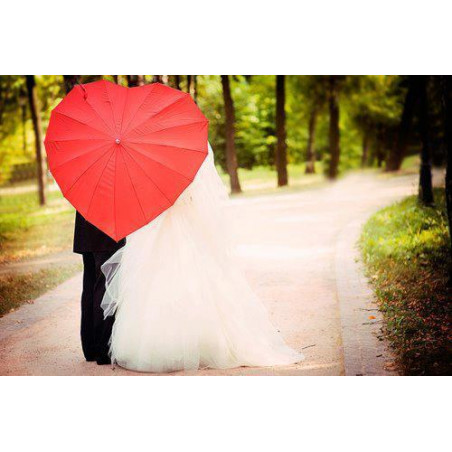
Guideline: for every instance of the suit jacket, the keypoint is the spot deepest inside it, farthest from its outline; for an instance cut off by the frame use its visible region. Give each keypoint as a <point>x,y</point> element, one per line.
<point>88,238</point>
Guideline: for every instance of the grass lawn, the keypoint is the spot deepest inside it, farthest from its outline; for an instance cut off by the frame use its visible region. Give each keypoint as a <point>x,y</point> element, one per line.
<point>28,230</point>
<point>262,180</point>
<point>406,250</point>
<point>16,289</point>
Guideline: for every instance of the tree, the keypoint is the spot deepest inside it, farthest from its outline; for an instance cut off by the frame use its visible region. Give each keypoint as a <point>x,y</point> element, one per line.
<point>23,107</point>
<point>446,94</point>
<point>334,133</point>
<point>314,99</point>
<point>135,80</point>
<point>177,81</point>
<point>310,150</point>
<point>117,79</point>
<point>192,86</point>
<point>374,105</point>
<point>425,179</point>
<point>33,102</point>
<point>231,155</point>
<point>70,81</point>
<point>398,152</point>
<point>281,145</point>
<point>189,79</point>
<point>157,79</point>
<point>195,88</point>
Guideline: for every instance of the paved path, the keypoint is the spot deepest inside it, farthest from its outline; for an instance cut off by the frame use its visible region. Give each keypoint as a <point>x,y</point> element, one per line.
<point>298,251</point>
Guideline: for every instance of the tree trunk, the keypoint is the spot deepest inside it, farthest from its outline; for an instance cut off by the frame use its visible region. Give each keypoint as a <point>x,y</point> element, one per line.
<point>33,102</point>
<point>189,84</point>
<point>135,80</point>
<point>157,79</point>
<point>24,128</point>
<point>70,81</point>
<point>310,151</point>
<point>281,145</point>
<point>447,108</point>
<point>397,153</point>
<point>117,79</point>
<point>334,133</point>
<point>231,155</point>
<point>192,86</point>
<point>425,179</point>
<point>195,88</point>
<point>365,154</point>
<point>177,81</point>
<point>380,156</point>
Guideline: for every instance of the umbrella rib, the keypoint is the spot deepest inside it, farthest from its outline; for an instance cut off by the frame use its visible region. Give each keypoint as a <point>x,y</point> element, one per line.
<point>114,195</point>
<point>146,174</point>
<point>76,180</point>
<point>73,139</point>
<point>99,116</point>
<point>97,183</point>
<point>151,90</point>
<point>161,164</point>
<point>131,182</point>
<point>177,126</point>
<point>153,116</point>
<point>78,156</point>
<point>80,122</point>
<point>167,146</point>
<point>123,110</point>
<point>111,105</point>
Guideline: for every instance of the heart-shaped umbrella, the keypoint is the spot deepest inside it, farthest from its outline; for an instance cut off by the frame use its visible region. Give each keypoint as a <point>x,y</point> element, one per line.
<point>122,156</point>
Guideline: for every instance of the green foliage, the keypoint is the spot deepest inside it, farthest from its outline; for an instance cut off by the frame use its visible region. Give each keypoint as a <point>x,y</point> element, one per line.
<point>369,105</point>
<point>16,129</point>
<point>406,249</point>
<point>254,103</point>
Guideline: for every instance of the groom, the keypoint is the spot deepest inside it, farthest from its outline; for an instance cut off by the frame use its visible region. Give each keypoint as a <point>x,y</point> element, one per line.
<point>96,248</point>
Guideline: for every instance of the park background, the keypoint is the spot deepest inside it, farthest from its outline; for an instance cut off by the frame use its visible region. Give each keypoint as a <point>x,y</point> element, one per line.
<point>270,134</point>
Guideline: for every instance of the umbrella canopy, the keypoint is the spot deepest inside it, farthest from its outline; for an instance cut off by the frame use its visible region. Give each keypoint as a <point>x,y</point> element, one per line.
<point>122,156</point>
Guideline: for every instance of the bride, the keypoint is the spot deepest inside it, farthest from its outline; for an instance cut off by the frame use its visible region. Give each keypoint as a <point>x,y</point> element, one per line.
<point>179,300</point>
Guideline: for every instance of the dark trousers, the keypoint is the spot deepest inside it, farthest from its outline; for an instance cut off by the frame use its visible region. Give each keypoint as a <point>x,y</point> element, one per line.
<point>95,331</point>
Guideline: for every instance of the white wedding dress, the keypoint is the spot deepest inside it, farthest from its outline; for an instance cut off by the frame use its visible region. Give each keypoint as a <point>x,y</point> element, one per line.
<point>179,297</point>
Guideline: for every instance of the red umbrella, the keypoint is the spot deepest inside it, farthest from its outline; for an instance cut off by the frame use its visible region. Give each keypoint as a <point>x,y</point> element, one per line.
<point>122,156</point>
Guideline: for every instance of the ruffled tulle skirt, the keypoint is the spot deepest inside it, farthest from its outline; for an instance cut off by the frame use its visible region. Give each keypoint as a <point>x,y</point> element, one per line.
<point>180,299</point>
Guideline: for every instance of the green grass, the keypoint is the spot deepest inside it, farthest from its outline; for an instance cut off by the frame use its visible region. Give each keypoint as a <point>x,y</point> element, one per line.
<point>411,164</point>
<point>17,289</point>
<point>28,230</point>
<point>262,180</point>
<point>406,250</point>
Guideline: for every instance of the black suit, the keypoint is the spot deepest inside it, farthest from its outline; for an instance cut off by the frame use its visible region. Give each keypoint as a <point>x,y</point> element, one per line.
<point>96,248</point>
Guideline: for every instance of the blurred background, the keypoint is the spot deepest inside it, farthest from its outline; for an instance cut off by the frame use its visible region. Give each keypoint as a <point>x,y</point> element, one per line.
<point>270,134</point>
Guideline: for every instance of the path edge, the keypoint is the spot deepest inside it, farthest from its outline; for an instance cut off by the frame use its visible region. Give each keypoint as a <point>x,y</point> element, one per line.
<point>365,349</point>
